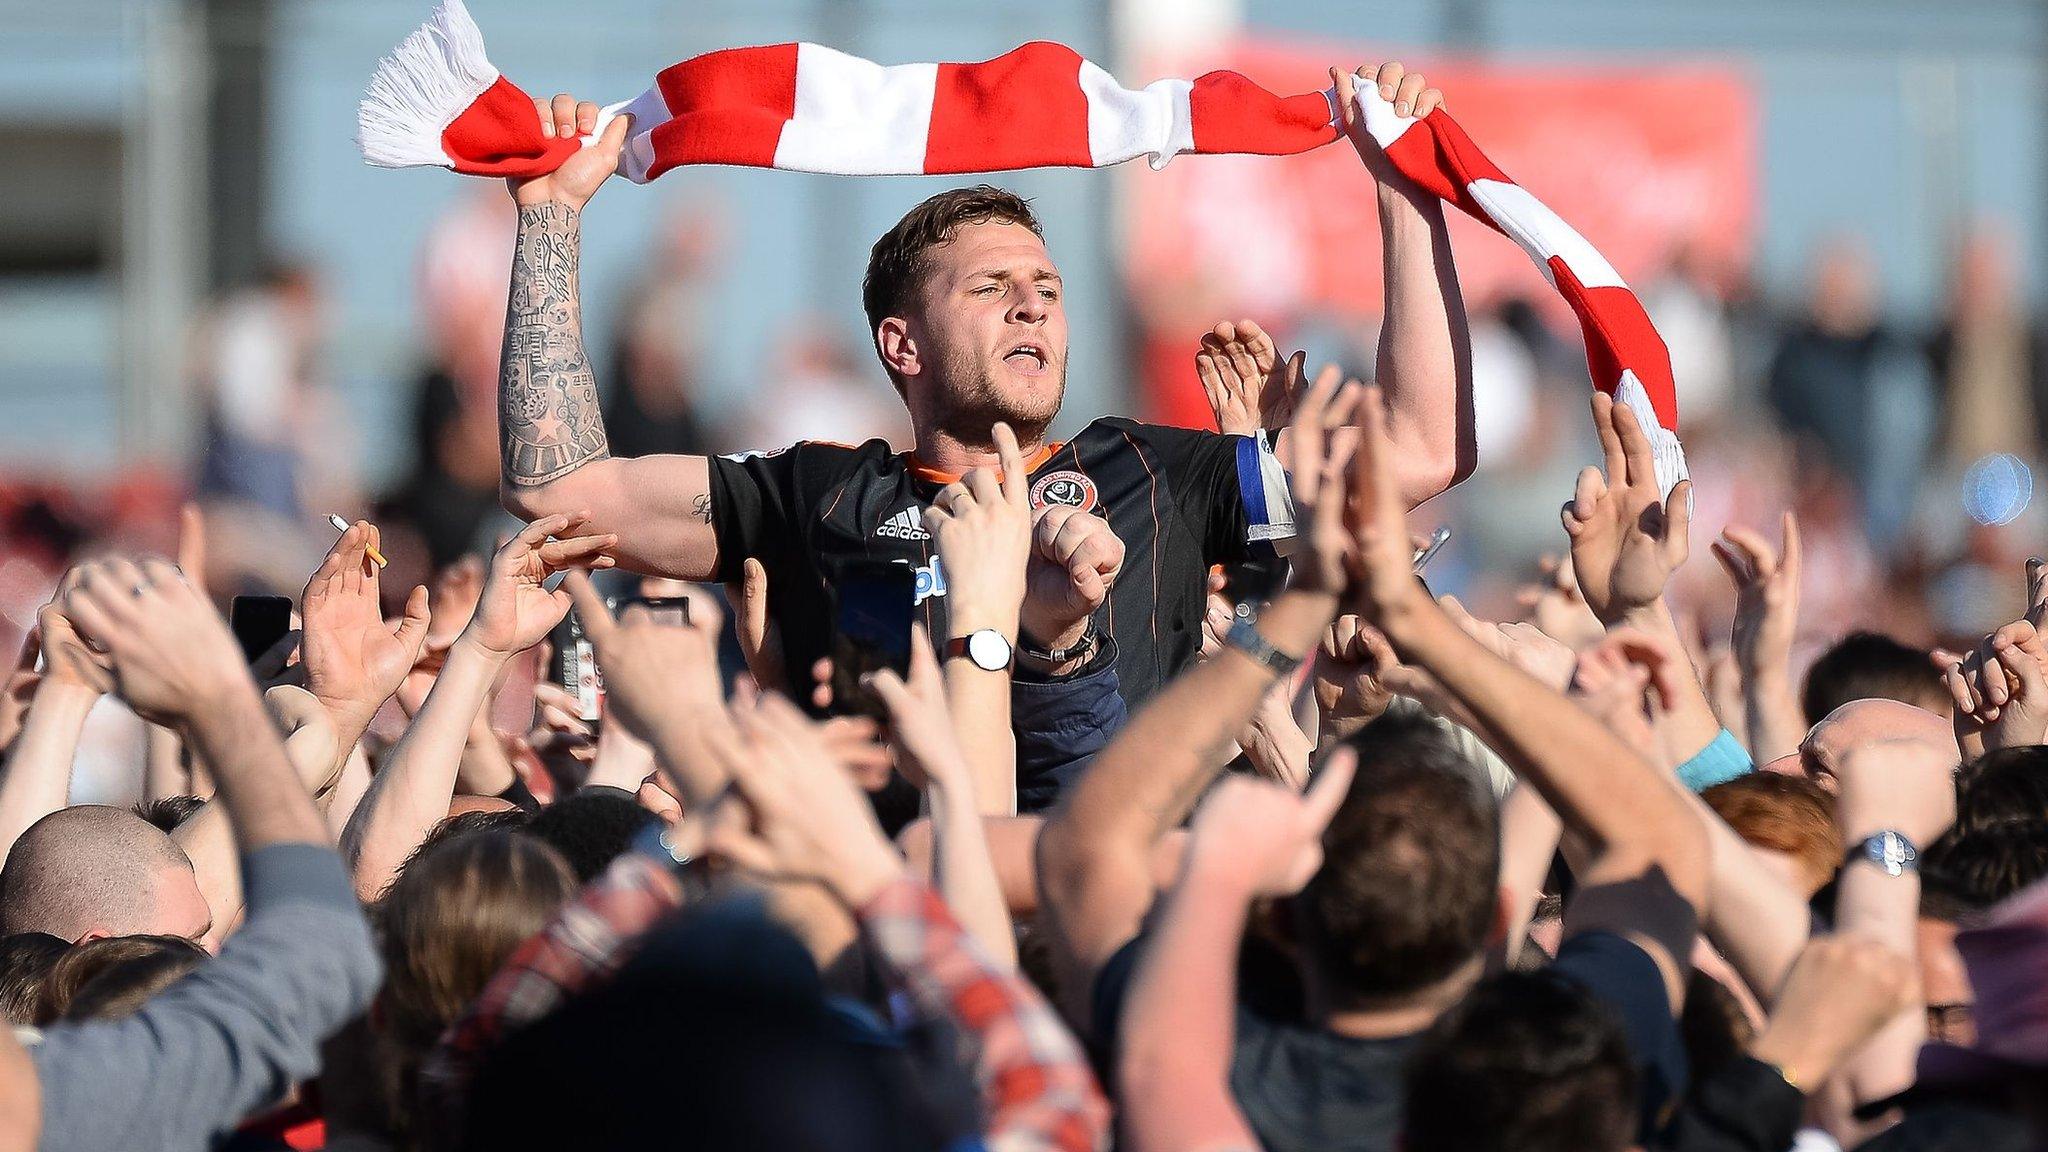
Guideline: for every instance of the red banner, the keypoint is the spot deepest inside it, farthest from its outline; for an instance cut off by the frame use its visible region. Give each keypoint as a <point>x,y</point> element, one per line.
<point>1642,160</point>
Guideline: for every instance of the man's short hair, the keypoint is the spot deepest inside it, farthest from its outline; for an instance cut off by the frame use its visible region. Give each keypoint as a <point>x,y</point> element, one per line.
<point>900,261</point>
<point>84,868</point>
<point>1969,872</point>
<point>2004,788</point>
<point>1411,864</point>
<point>1788,814</point>
<point>165,813</point>
<point>1871,665</point>
<point>591,828</point>
<point>1526,1062</point>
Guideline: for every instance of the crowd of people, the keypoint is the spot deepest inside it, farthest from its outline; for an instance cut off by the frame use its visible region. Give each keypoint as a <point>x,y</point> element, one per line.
<point>1179,813</point>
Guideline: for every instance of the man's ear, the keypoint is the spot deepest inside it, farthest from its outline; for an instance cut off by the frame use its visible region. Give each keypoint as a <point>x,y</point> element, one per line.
<point>898,349</point>
<point>92,934</point>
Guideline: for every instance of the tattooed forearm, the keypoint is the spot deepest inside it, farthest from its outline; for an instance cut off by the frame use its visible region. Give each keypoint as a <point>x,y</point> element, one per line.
<point>548,419</point>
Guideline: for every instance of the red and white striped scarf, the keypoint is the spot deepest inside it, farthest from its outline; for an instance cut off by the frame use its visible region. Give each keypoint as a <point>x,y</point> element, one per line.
<point>438,101</point>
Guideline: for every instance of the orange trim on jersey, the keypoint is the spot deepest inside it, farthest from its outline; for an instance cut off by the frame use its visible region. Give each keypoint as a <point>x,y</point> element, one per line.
<point>935,476</point>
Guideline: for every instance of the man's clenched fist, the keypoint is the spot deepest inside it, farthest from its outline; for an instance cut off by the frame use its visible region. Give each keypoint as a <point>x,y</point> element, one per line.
<point>1075,559</point>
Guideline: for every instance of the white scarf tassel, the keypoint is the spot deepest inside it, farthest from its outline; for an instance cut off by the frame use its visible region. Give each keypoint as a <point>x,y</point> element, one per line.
<point>421,87</point>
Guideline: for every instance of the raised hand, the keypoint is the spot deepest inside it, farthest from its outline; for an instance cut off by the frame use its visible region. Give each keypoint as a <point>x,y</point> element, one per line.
<point>66,659</point>
<point>1325,557</point>
<point>1634,680</point>
<point>168,653</point>
<point>1248,385</point>
<point>1273,742</point>
<point>928,752</point>
<point>20,689</point>
<point>455,592</point>
<point>1766,595</point>
<point>1612,689</point>
<point>1410,94</point>
<point>1268,834</point>
<point>1075,560</point>
<point>1766,622</point>
<point>192,545</point>
<point>657,676</point>
<point>810,821</point>
<point>760,638</point>
<point>1349,693</point>
<point>580,176</point>
<point>1523,645</point>
<point>354,660</point>
<point>981,528</point>
<point>2001,688</point>
<point>1553,603</point>
<point>558,736</point>
<point>516,609</point>
<point>1382,555</point>
<point>1626,538</point>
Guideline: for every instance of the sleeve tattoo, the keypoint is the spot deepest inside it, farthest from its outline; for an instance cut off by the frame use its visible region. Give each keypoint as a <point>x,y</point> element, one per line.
<point>548,419</point>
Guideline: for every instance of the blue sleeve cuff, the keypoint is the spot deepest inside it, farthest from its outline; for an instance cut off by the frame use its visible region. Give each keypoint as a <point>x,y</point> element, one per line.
<point>1719,762</point>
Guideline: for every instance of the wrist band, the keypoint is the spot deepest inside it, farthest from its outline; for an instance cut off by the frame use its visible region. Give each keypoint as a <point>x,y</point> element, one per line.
<point>1079,649</point>
<point>1244,637</point>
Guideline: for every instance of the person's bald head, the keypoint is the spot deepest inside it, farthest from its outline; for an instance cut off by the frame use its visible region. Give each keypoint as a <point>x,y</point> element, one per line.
<point>1861,722</point>
<point>91,871</point>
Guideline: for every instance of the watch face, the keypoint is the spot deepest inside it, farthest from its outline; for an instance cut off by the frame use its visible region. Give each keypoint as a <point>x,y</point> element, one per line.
<point>1891,852</point>
<point>989,651</point>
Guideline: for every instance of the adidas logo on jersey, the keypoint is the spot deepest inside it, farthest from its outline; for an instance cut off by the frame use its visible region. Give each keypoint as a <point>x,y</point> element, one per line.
<point>905,525</point>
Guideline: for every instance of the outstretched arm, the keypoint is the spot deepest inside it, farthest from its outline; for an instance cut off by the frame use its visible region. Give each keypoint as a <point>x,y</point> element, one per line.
<point>1646,846</point>
<point>1250,841</point>
<point>412,792</point>
<point>555,458</point>
<point>36,778</point>
<point>1095,854</point>
<point>1425,350</point>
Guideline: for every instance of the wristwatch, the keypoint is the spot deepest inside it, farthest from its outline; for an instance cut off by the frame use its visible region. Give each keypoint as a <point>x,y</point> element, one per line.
<point>988,649</point>
<point>1889,850</point>
<point>1244,637</point>
<point>1053,657</point>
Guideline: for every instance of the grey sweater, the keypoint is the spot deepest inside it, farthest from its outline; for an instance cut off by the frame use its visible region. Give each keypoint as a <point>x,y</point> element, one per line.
<point>231,1037</point>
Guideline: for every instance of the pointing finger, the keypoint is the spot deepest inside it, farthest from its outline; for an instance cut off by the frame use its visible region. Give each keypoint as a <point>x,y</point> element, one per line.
<point>1014,487</point>
<point>591,613</point>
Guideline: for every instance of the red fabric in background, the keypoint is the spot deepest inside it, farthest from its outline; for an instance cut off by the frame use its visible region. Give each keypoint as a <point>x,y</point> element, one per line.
<point>1639,159</point>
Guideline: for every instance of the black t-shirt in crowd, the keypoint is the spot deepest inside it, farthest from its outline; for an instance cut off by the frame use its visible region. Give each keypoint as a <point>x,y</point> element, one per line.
<point>1181,500</point>
<point>1306,1089</point>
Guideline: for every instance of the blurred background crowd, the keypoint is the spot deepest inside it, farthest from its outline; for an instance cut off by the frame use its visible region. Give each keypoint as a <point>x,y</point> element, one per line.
<point>1833,210</point>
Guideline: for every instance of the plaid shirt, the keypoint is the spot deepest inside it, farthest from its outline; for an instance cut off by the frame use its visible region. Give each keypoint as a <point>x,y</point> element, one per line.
<point>1037,1089</point>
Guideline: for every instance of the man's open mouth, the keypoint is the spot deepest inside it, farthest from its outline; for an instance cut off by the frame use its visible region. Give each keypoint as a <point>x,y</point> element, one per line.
<point>1027,356</point>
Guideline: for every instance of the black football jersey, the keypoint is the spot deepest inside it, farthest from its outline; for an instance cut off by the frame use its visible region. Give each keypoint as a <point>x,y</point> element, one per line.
<point>1180,500</point>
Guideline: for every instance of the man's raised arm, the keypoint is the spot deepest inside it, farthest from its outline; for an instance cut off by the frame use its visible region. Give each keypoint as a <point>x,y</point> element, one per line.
<point>555,457</point>
<point>1424,364</point>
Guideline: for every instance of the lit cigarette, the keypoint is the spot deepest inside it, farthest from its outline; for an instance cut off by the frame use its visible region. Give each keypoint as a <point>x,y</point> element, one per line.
<point>341,525</point>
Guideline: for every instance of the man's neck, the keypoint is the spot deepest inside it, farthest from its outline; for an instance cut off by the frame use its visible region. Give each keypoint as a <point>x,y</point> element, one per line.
<point>1388,1017</point>
<point>941,451</point>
